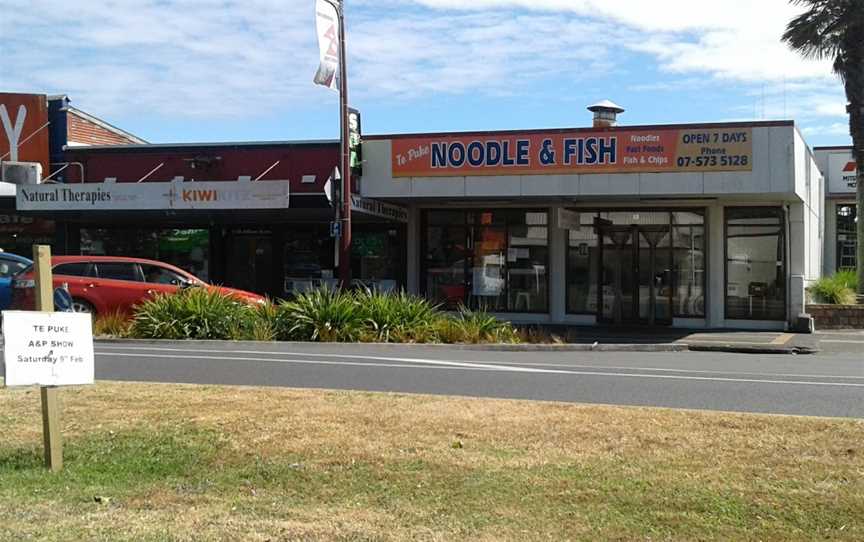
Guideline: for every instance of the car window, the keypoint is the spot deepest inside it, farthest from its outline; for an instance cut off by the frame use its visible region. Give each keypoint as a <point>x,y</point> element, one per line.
<point>117,271</point>
<point>9,268</point>
<point>77,269</point>
<point>160,275</point>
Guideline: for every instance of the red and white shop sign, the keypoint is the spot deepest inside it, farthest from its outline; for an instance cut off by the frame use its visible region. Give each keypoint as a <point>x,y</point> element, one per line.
<point>24,129</point>
<point>709,148</point>
<point>842,173</point>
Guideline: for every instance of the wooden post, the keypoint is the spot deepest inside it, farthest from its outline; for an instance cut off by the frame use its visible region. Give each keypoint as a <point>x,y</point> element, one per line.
<point>50,407</point>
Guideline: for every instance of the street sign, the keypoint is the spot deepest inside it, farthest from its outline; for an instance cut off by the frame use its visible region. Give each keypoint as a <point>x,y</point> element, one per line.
<point>48,348</point>
<point>336,229</point>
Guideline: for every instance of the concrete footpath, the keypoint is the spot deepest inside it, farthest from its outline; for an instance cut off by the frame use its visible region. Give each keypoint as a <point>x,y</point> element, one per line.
<point>674,339</point>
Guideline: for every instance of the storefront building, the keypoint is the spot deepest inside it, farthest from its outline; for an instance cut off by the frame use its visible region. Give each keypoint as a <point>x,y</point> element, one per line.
<point>841,214</point>
<point>697,225</point>
<point>37,128</point>
<point>702,225</point>
<point>253,216</point>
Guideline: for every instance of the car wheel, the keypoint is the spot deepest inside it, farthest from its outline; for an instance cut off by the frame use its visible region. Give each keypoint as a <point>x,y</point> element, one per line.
<point>79,305</point>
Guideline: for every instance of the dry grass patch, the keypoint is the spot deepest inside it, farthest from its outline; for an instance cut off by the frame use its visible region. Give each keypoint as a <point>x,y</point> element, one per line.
<point>216,463</point>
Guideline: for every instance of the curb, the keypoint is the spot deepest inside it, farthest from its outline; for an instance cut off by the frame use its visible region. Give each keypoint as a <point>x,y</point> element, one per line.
<point>754,349</point>
<point>572,347</point>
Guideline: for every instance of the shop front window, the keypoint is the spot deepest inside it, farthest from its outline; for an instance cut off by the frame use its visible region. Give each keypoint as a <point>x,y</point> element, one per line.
<point>847,236</point>
<point>446,257</point>
<point>377,257</point>
<point>496,260</point>
<point>688,264</point>
<point>19,233</point>
<point>308,259</point>
<point>640,265</point>
<point>188,249</point>
<point>755,264</point>
<point>583,261</point>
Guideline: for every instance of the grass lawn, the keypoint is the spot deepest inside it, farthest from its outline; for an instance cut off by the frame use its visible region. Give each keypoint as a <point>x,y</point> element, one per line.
<point>168,462</point>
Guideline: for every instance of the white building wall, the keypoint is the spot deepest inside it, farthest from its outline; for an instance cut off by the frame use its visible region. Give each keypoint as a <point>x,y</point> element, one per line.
<point>805,227</point>
<point>835,192</point>
<point>784,173</point>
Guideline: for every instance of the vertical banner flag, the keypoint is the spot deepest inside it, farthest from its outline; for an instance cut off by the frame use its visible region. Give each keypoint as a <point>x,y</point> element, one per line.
<point>327,22</point>
<point>354,141</point>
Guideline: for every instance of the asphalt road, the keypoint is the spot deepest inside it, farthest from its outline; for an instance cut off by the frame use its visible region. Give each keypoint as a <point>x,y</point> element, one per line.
<point>818,385</point>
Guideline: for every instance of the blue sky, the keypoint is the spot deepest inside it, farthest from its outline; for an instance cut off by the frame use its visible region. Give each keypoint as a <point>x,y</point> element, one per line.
<point>241,70</point>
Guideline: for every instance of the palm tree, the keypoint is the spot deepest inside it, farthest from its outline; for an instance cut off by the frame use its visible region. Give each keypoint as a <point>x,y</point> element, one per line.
<point>834,29</point>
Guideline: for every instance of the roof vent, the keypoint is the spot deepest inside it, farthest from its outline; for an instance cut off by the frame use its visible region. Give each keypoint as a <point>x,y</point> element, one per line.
<point>605,113</point>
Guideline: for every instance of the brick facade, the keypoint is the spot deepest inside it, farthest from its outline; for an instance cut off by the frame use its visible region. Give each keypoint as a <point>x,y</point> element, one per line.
<point>837,316</point>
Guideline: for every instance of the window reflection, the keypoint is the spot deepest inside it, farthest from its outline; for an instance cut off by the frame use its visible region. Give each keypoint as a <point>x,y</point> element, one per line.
<point>755,264</point>
<point>641,271</point>
<point>847,236</point>
<point>188,249</point>
<point>496,260</point>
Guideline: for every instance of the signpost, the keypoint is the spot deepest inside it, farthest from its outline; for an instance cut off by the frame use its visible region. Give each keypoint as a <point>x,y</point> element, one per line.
<point>48,349</point>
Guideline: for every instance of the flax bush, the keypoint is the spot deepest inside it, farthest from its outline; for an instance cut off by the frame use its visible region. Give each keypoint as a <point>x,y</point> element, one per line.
<point>194,313</point>
<point>838,289</point>
<point>397,317</point>
<point>323,315</point>
<point>481,327</point>
<point>113,324</point>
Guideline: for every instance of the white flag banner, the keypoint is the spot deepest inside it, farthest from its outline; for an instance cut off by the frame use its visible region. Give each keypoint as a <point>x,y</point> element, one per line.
<point>327,21</point>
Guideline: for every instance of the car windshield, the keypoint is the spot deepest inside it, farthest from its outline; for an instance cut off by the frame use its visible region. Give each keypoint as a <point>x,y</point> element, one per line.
<point>25,269</point>
<point>10,268</point>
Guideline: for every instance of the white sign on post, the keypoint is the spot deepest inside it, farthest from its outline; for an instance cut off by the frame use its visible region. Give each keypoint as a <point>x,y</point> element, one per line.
<point>48,348</point>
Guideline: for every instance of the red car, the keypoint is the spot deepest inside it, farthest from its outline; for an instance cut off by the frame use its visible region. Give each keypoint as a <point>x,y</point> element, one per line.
<point>106,284</point>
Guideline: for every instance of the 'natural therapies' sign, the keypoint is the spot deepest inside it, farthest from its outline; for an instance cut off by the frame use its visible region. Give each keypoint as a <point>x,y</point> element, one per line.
<point>47,348</point>
<point>582,151</point>
<point>115,196</point>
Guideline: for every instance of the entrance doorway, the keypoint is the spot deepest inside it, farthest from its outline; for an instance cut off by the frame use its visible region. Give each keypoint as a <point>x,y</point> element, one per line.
<point>250,261</point>
<point>636,272</point>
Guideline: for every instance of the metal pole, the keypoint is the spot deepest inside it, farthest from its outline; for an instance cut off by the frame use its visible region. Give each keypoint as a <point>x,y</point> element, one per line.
<point>345,167</point>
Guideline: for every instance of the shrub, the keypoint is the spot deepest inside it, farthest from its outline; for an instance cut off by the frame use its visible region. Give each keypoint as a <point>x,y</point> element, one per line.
<point>398,317</point>
<point>849,277</point>
<point>194,313</point>
<point>263,323</point>
<point>448,331</point>
<point>112,324</point>
<point>325,315</point>
<point>838,289</point>
<point>481,327</point>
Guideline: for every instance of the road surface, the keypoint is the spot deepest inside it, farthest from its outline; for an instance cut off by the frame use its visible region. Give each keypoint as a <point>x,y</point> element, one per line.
<point>817,385</point>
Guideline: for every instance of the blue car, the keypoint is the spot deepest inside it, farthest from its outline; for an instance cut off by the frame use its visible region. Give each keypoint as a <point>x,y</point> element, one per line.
<point>10,265</point>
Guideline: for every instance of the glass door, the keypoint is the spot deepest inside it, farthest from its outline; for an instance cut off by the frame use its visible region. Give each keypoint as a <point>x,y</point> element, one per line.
<point>636,275</point>
<point>617,275</point>
<point>250,263</point>
<point>655,276</point>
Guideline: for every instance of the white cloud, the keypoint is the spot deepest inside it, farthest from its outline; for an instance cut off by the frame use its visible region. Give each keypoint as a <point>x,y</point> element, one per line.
<point>189,59</point>
<point>737,39</point>
<point>486,53</point>
<point>185,59</point>
<point>837,129</point>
